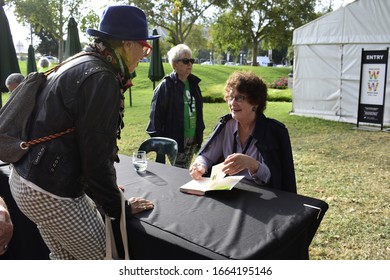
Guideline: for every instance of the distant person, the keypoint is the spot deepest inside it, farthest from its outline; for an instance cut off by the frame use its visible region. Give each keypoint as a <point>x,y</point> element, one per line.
<point>177,106</point>
<point>13,81</point>
<point>43,64</point>
<point>249,143</point>
<point>6,227</point>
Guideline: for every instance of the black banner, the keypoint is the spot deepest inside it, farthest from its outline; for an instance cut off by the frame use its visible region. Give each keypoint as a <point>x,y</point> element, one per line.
<point>373,77</point>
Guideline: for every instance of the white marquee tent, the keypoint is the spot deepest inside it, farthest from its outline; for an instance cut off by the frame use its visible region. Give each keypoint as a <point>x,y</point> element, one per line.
<point>327,60</point>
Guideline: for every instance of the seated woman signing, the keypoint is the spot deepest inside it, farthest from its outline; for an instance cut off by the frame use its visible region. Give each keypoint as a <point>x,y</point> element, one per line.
<point>249,143</point>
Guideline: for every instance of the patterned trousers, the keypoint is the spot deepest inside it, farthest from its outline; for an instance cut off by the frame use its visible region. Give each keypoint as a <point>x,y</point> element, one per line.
<point>184,160</point>
<point>72,228</point>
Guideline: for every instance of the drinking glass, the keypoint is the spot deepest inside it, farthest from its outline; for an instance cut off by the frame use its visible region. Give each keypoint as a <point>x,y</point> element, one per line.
<point>139,161</point>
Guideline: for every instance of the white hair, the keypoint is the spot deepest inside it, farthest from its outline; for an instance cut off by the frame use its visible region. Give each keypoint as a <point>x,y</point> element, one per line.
<point>14,78</point>
<point>44,62</point>
<point>177,52</point>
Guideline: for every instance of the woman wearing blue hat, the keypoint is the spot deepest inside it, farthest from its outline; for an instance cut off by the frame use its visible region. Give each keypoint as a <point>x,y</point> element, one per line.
<point>57,183</point>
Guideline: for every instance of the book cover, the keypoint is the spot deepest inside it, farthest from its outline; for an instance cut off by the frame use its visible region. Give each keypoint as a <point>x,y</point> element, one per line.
<point>217,181</point>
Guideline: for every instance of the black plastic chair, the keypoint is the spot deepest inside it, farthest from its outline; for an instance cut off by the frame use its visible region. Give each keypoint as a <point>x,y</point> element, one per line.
<point>163,147</point>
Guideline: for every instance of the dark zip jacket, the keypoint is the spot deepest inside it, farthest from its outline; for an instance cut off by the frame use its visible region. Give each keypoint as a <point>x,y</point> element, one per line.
<point>167,114</point>
<point>85,94</point>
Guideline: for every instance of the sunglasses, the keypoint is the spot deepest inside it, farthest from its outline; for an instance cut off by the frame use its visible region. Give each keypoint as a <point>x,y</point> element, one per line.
<point>187,60</point>
<point>147,49</point>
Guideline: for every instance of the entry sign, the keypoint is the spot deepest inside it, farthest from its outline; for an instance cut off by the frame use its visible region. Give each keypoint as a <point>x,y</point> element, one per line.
<point>373,76</point>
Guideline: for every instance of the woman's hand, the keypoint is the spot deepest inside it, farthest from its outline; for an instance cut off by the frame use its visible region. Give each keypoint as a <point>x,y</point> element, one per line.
<point>236,162</point>
<point>139,204</point>
<point>6,229</point>
<point>197,170</point>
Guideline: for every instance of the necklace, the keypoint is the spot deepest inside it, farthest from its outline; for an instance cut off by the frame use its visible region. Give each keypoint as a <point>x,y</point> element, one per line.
<point>246,146</point>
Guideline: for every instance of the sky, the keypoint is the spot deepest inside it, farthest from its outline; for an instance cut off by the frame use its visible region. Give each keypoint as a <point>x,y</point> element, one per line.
<point>20,33</point>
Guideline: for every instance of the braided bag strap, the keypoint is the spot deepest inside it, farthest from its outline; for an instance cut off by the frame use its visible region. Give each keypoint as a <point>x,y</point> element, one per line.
<point>26,145</point>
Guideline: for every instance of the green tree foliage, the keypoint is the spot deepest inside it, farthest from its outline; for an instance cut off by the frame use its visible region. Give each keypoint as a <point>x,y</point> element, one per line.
<point>48,18</point>
<point>256,22</point>
<point>48,44</point>
<point>89,20</point>
<point>227,36</point>
<point>176,16</point>
<point>196,40</point>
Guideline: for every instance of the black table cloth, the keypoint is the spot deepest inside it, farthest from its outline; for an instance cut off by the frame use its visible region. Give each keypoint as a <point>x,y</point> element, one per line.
<point>248,222</point>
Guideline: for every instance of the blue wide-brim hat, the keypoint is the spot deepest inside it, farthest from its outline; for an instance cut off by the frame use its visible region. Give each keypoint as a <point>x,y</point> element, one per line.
<point>123,22</point>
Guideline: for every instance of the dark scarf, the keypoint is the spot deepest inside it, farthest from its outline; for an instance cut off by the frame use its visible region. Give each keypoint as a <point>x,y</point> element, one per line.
<point>104,49</point>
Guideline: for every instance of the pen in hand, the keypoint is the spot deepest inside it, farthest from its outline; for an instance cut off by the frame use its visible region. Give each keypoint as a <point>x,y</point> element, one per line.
<point>197,170</point>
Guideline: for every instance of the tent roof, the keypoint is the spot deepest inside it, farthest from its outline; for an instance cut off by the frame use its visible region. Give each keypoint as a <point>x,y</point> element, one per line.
<point>362,21</point>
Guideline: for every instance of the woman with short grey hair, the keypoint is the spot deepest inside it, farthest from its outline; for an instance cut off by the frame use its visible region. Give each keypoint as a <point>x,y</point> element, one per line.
<point>177,52</point>
<point>177,106</point>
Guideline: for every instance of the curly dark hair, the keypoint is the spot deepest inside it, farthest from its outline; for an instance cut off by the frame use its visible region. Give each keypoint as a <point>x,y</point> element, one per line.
<point>249,84</point>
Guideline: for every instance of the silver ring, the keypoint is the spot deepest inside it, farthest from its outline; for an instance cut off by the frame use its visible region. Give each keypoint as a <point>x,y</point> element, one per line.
<point>5,247</point>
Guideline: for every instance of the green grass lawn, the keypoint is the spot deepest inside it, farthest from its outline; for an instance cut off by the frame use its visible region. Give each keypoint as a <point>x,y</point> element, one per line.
<point>347,168</point>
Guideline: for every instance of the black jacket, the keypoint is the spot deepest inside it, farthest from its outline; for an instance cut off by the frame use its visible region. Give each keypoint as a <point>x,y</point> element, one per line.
<point>84,94</point>
<point>167,114</point>
<point>273,142</point>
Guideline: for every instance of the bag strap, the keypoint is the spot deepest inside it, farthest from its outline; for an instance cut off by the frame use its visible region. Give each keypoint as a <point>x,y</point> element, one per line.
<point>26,145</point>
<point>111,250</point>
<point>55,68</point>
<point>124,229</point>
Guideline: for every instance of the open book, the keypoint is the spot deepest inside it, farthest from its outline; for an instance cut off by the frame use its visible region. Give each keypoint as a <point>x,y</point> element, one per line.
<point>217,181</point>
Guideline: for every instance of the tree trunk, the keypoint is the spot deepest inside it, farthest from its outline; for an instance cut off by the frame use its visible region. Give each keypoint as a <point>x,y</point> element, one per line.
<point>254,52</point>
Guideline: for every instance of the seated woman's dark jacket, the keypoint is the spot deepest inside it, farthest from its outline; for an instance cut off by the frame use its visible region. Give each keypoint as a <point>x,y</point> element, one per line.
<point>273,142</point>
